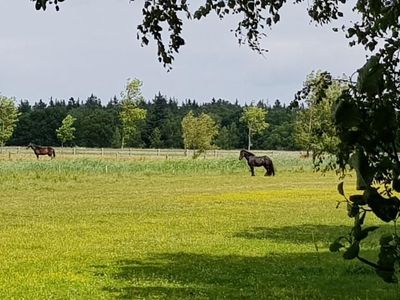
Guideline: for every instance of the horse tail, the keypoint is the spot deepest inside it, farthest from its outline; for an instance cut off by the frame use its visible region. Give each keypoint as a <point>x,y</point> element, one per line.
<point>272,171</point>
<point>54,153</point>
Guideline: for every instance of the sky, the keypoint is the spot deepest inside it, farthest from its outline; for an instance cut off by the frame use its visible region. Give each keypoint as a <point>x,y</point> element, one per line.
<point>90,47</point>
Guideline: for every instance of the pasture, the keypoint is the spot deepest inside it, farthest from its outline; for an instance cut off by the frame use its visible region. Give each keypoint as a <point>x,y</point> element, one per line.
<point>148,228</point>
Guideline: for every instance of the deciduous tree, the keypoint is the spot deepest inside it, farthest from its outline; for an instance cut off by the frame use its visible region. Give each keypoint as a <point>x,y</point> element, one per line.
<point>314,127</point>
<point>198,132</point>
<point>66,131</point>
<point>131,114</point>
<point>8,118</point>
<point>255,120</point>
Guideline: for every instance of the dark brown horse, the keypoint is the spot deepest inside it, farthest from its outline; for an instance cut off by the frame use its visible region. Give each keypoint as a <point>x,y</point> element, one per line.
<point>42,150</point>
<point>258,161</point>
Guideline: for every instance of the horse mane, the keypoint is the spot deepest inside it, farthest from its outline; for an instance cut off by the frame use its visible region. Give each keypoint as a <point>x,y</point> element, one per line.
<point>248,152</point>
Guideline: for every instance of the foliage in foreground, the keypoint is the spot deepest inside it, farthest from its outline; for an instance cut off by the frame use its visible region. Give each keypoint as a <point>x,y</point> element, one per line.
<point>366,122</point>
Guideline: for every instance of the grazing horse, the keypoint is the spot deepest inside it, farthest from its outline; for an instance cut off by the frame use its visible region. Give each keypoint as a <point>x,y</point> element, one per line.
<point>42,150</point>
<point>258,161</point>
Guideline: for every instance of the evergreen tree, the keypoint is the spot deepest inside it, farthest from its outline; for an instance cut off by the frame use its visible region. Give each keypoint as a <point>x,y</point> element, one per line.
<point>116,140</point>
<point>155,139</point>
<point>228,137</point>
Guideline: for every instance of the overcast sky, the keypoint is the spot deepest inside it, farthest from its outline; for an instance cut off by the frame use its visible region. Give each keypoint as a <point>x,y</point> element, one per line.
<point>90,46</point>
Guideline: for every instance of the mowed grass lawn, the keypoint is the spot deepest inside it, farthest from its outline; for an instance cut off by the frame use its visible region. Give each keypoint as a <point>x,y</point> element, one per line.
<point>80,230</point>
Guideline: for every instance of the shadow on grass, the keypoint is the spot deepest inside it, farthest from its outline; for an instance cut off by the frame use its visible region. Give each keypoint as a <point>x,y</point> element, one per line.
<point>199,276</point>
<point>322,235</point>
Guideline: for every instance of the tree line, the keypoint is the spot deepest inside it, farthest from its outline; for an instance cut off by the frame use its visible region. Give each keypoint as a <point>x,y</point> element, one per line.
<point>130,121</point>
<point>160,125</point>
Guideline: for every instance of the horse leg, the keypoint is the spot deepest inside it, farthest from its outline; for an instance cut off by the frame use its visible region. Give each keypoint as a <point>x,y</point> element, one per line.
<point>252,171</point>
<point>266,170</point>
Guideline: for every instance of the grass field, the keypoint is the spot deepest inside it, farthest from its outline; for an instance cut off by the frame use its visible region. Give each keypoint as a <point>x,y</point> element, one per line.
<point>175,229</point>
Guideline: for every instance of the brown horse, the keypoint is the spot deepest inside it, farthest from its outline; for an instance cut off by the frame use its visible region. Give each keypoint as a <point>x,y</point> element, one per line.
<point>258,161</point>
<point>42,150</point>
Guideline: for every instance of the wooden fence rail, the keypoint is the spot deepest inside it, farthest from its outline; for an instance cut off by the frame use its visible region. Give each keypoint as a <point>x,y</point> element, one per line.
<point>14,151</point>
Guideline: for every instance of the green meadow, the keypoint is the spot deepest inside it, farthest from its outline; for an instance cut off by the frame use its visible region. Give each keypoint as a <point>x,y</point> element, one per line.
<point>98,228</point>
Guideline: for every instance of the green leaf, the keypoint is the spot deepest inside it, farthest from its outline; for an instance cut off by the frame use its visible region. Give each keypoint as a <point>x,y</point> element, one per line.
<point>335,246</point>
<point>352,251</point>
<point>357,199</point>
<point>340,188</point>
<point>385,209</point>
<point>276,18</point>
<point>351,32</point>
<point>385,239</point>
<point>370,77</point>
<point>362,218</point>
<point>364,172</point>
<point>396,183</point>
<point>38,5</point>
<point>384,122</point>
<point>357,232</point>
<point>352,210</point>
<point>387,258</point>
<point>362,234</point>
<point>347,115</point>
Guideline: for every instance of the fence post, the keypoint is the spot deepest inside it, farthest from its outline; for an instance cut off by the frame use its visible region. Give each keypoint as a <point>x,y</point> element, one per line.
<point>74,151</point>
<point>102,152</point>
<point>158,152</point>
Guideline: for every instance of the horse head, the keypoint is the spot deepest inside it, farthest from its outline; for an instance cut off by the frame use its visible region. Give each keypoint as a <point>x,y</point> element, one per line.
<point>241,155</point>
<point>30,145</point>
<point>246,154</point>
